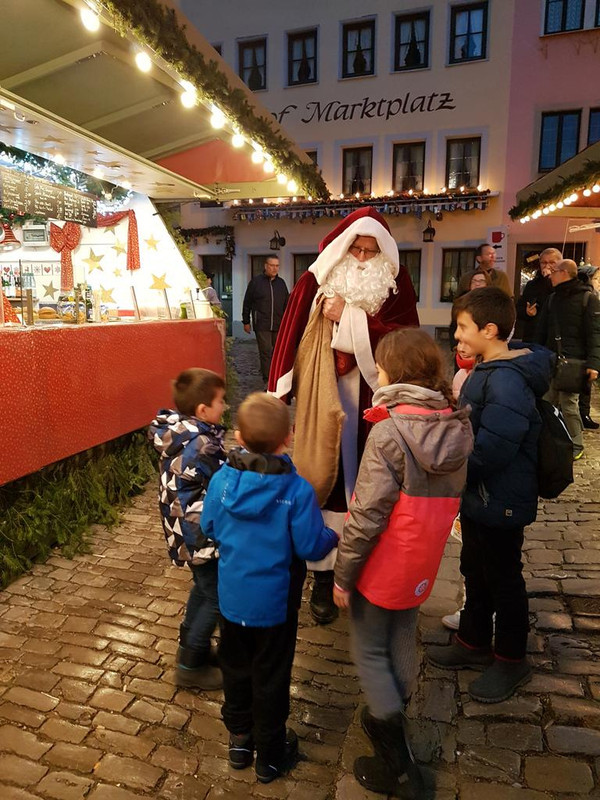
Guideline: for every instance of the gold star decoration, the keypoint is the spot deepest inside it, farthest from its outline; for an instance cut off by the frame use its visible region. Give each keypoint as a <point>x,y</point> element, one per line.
<point>93,261</point>
<point>159,281</point>
<point>151,242</point>
<point>119,248</point>
<point>118,273</point>
<point>50,290</point>
<point>106,295</point>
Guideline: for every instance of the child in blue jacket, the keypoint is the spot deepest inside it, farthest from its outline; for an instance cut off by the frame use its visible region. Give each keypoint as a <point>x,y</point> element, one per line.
<point>190,442</point>
<point>266,522</point>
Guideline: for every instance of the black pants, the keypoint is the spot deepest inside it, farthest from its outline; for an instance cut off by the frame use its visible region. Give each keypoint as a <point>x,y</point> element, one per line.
<point>257,668</point>
<point>266,342</point>
<point>585,400</point>
<point>490,562</point>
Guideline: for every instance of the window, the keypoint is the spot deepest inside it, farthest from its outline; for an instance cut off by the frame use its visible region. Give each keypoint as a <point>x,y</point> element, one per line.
<point>357,170</point>
<point>412,261</point>
<point>302,261</point>
<point>257,263</point>
<point>358,49</point>
<point>313,155</point>
<point>218,48</point>
<point>455,261</point>
<point>563,15</point>
<point>462,162</point>
<point>302,57</point>
<point>253,63</point>
<point>409,166</point>
<point>594,128</point>
<point>411,49</point>
<point>597,22</point>
<point>559,138</point>
<point>468,32</point>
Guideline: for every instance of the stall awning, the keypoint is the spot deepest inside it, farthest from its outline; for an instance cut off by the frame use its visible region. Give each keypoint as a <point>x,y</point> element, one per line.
<point>70,93</point>
<point>570,190</point>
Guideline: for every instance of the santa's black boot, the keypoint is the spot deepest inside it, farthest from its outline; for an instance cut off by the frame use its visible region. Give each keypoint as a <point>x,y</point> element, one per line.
<point>322,607</point>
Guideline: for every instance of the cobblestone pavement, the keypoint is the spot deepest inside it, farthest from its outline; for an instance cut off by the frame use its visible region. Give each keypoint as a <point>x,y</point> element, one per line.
<point>88,707</point>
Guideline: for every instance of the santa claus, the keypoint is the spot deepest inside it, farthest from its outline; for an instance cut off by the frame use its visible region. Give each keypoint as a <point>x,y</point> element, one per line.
<point>353,294</point>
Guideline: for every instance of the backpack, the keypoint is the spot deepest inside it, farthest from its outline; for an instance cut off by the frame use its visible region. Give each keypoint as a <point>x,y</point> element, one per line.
<point>555,452</point>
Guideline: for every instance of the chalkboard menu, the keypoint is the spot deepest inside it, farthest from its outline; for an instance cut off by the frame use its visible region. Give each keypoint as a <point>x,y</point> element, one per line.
<point>28,195</point>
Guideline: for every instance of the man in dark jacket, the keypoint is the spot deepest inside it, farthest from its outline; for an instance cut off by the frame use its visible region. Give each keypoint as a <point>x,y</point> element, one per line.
<point>265,301</point>
<point>568,315</point>
<point>535,293</point>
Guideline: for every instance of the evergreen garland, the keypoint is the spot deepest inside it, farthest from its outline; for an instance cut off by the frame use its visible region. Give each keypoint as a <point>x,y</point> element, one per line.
<point>224,233</point>
<point>583,179</point>
<point>56,506</point>
<point>156,26</point>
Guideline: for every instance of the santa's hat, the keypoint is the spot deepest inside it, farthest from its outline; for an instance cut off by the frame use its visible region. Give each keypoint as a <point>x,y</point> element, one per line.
<point>365,221</point>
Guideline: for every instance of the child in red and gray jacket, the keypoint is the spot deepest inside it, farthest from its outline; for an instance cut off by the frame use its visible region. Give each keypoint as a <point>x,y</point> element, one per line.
<point>407,495</point>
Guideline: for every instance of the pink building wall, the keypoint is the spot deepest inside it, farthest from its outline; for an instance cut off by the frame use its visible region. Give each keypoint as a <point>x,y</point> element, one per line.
<point>557,72</point>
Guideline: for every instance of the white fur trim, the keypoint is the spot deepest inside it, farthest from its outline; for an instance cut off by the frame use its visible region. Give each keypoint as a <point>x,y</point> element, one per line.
<point>337,249</point>
<point>284,385</point>
<point>362,345</point>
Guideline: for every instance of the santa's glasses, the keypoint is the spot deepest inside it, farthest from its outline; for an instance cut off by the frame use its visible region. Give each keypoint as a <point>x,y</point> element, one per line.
<point>357,251</point>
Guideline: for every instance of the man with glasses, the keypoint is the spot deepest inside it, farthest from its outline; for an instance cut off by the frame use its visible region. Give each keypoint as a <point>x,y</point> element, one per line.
<point>485,258</point>
<point>535,293</point>
<point>353,294</point>
<point>571,313</point>
<point>264,302</point>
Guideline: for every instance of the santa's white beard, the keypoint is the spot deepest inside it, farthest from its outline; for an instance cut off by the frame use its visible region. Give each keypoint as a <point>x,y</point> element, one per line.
<point>366,285</point>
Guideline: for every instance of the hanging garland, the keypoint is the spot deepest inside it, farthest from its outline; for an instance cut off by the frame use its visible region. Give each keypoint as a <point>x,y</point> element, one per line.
<point>220,232</point>
<point>586,177</point>
<point>14,218</point>
<point>156,26</point>
<point>64,176</point>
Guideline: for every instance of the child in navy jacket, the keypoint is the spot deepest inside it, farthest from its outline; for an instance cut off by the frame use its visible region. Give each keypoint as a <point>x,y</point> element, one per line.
<point>266,521</point>
<point>500,497</point>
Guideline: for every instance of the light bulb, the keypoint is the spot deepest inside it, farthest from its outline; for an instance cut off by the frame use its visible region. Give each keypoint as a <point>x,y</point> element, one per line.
<point>257,157</point>
<point>269,166</point>
<point>552,207</point>
<point>522,220</point>
<point>567,201</point>
<point>281,178</point>
<point>560,204</point>
<point>188,99</point>
<point>292,186</point>
<point>143,61</point>
<point>217,119</point>
<point>250,201</point>
<point>187,86</point>
<point>526,218</point>
<point>479,187</point>
<point>341,195</point>
<point>309,198</point>
<point>545,210</point>
<point>97,173</point>
<point>410,192</point>
<point>60,159</point>
<point>357,195</point>
<point>596,188</point>
<point>237,140</point>
<point>90,19</point>
<point>587,192</point>
<point>294,199</point>
<point>574,197</point>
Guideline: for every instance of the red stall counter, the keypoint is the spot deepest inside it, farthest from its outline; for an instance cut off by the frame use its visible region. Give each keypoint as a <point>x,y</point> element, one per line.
<point>65,389</point>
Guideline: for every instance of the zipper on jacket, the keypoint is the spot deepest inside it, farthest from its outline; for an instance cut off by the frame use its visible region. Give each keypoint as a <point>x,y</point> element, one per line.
<point>272,303</point>
<point>484,494</point>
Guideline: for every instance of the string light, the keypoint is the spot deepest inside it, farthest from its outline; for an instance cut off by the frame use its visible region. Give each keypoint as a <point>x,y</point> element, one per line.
<point>217,118</point>
<point>143,61</point>
<point>237,140</point>
<point>587,192</point>
<point>574,197</point>
<point>560,204</point>
<point>282,179</point>
<point>292,186</point>
<point>90,19</point>
<point>257,157</point>
<point>60,159</point>
<point>268,166</point>
<point>596,188</point>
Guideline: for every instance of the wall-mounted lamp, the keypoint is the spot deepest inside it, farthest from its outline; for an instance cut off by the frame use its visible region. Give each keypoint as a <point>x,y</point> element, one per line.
<point>277,242</point>
<point>429,233</point>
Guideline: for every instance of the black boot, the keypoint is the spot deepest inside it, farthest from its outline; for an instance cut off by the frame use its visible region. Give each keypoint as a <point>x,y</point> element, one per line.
<point>589,423</point>
<point>393,769</point>
<point>322,607</point>
<point>183,634</point>
<point>195,672</point>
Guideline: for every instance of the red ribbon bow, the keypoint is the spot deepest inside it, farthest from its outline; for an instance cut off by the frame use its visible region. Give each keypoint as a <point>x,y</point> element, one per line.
<point>64,240</point>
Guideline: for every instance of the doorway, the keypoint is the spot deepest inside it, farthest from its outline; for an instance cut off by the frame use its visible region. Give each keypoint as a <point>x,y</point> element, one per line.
<point>220,267</point>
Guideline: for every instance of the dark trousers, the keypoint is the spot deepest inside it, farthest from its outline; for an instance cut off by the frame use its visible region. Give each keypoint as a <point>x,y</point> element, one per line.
<point>202,610</point>
<point>490,562</point>
<point>585,400</point>
<point>266,342</point>
<point>257,668</point>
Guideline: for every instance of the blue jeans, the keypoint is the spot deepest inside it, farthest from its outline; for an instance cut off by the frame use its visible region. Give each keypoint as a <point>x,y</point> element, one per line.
<point>202,608</point>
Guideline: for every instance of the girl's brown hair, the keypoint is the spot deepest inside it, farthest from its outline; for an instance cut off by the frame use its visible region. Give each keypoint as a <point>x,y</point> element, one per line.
<point>410,355</point>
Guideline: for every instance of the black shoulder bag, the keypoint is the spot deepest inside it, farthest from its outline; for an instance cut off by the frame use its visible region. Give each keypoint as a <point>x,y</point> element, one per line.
<point>570,374</point>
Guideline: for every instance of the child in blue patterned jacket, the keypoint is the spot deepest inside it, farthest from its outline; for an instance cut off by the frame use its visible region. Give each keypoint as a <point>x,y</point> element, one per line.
<point>190,442</point>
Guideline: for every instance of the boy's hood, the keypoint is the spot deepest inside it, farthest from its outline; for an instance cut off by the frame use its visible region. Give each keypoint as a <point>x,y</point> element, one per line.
<point>172,431</point>
<point>533,361</point>
<point>252,482</point>
<point>439,440</point>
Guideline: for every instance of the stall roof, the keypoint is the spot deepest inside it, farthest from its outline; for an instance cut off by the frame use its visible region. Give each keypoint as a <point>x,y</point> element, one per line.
<point>577,180</point>
<point>69,92</point>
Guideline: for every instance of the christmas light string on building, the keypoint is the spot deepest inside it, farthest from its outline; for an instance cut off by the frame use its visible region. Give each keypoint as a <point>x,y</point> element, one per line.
<point>584,183</point>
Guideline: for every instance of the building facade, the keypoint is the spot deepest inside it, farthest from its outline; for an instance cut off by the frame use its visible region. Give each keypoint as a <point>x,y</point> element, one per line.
<point>428,104</point>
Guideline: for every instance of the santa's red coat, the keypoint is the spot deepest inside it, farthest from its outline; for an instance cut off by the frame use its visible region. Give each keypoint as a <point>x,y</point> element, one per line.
<point>398,311</point>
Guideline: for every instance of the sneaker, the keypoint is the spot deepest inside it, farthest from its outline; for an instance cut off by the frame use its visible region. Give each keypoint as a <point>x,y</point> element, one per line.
<point>459,656</point>
<point>241,750</point>
<point>578,455</point>
<point>451,621</point>
<point>500,681</point>
<point>206,678</point>
<point>265,772</point>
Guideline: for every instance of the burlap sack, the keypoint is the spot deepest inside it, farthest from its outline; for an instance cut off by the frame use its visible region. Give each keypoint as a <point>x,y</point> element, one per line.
<point>319,413</point>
